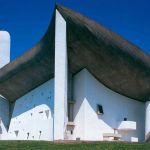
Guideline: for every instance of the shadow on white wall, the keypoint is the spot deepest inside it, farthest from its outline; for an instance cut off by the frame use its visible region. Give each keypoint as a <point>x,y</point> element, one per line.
<point>32,116</point>
<point>88,92</point>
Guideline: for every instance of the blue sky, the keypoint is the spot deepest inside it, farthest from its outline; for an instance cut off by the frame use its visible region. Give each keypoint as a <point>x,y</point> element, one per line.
<point>27,20</point>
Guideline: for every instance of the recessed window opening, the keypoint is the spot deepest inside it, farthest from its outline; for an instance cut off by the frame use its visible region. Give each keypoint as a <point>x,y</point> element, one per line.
<point>16,132</point>
<point>100,109</point>
<point>40,134</point>
<point>40,112</point>
<point>71,132</point>
<point>47,113</point>
<point>125,119</point>
<point>28,135</point>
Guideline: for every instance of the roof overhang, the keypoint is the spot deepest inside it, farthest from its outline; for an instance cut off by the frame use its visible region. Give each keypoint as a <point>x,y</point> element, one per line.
<point>114,61</point>
<point>30,70</point>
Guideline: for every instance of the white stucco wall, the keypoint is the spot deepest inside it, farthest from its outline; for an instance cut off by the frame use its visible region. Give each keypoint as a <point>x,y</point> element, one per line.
<point>4,117</point>
<point>4,48</point>
<point>88,92</point>
<point>33,114</point>
<point>147,119</point>
<point>61,70</point>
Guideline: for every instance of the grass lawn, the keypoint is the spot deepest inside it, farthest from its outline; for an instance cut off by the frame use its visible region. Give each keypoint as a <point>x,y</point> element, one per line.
<point>42,145</point>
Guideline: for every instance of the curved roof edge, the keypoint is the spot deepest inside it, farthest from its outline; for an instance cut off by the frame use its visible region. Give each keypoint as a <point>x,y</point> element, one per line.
<point>125,68</point>
<point>120,65</point>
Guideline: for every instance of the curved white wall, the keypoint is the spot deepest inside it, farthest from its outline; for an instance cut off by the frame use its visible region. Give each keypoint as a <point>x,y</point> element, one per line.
<point>4,48</point>
<point>32,117</point>
<point>88,92</point>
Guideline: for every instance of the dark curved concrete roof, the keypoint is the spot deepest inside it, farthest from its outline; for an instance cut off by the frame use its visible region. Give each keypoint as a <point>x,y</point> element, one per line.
<point>30,70</point>
<point>114,61</point>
